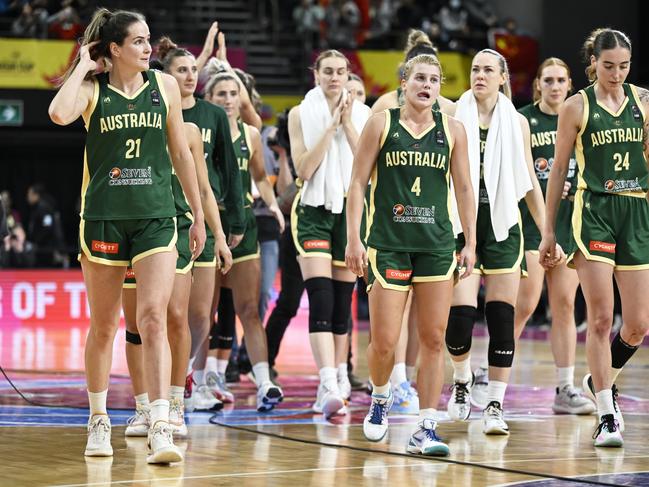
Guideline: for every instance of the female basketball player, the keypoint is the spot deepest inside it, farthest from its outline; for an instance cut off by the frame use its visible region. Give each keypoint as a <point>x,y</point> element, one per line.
<point>324,132</point>
<point>410,153</point>
<point>244,278</point>
<point>551,87</point>
<point>502,173</point>
<point>181,65</point>
<point>134,123</point>
<point>356,88</point>
<point>606,124</point>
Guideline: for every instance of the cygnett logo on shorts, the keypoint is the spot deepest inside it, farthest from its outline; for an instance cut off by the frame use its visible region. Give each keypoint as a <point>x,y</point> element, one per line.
<point>105,247</point>
<point>598,246</point>
<point>398,275</point>
<point>130,273</point>
<point>316,244</point>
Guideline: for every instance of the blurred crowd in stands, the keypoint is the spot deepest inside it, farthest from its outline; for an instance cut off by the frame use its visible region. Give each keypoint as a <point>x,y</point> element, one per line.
<point>45,19</point>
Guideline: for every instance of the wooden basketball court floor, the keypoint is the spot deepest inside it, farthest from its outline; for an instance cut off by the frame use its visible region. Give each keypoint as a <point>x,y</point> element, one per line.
<point>43,445</point>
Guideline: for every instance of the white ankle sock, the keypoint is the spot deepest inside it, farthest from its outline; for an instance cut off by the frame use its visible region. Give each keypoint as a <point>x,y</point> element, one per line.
<point>210,364</point>
<point>411,372</point>
<point>262,374</point>
<point>159,411</point>
<point>496,391</point>
<point>427,413</point>
<point>565,376</point>
<point>142,400</point>
<point>342,371</point>
<point>221,365</point>
<point>462,370</point>
<point>604,402</point>
<point>398,375</point>
<point>381,390</point>
<point>97,401</point>
<point>199,377</point>
<point>328,377</point>
<point>176,392</point>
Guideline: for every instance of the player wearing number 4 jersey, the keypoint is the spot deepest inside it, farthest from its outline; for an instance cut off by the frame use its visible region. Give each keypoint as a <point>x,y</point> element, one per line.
<point>134,123</point>
<point>411,153</point>
<point>607,125</point>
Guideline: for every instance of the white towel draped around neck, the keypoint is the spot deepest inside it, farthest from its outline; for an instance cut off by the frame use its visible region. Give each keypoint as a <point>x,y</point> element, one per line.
<point>506,176</point>
<point>329,183</point>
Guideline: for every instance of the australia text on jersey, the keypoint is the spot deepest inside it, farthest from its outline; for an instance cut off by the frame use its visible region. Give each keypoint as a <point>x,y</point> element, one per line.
<point>130,120</point>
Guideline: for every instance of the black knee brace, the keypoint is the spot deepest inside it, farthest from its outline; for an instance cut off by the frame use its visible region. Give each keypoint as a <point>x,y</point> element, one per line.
<point>133,338</point>
<point>223,330</point>
<point>500,323</point>
<point>342,306</point>
<point>321,304</point>
<point>459,330</point>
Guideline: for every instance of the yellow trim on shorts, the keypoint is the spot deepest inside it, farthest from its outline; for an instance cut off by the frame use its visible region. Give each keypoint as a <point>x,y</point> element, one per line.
<point>245,258</point>
<point>338,263</point>
<point>445,277</point>
<point>371,257</point>
<point>386,127</point>
<point>212,263</point>
<point>521,254</point>
<point>185,269</point>
<point>129,285</point>
<point>87,114</point>
<point>86,251</point>
<point>157,250</point>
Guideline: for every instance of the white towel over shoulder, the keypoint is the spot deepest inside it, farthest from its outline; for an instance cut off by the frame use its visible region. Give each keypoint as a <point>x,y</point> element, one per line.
<point>329,183</point>
<point>507,178</point>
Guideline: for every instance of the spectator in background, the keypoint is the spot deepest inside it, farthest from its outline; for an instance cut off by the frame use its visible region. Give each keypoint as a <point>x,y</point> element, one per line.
<point>307,17</point>
<point>453,19</point>
<point>408,15</point>
<point>32,22</point>
<point>342,18</point>
<point>15,251</point>
<point>66,23</point>
<point>44,229</point>
<point>380,13</point>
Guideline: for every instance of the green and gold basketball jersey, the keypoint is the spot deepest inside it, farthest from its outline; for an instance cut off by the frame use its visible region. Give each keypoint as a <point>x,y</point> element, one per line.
<point>127,169</point>
<point>243,151</point>
<point>410,200</point>
<point>609,147</point>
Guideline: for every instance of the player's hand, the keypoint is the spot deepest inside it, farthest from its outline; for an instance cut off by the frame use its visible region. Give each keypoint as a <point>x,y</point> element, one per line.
<point>208,46</point>
<point>87,63</point>
<point>223,254</point>
<point>279,216</point>
<point>234,240</point>
<point>466,261</point>
<point>221,49</point>
<point>197,238</point>
<point>346,108</point>
<point>550,252</point>
<point>566,189</point>
<point>355,256</point>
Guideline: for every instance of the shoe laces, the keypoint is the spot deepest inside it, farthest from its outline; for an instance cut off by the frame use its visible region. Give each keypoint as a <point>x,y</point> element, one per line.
<point>176,406</point>
<point>163,430</point>
<point>607,423</point>
<point>494,410</point>
<point>141,415</point>
<point>460,391</point>
<point>100,427</point>
<point>378,410</point>
<point>428,426</point>
<point>220,383</point>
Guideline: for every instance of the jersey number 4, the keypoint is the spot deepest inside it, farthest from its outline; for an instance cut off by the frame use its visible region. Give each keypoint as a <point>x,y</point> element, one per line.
<point>621,162</point>
<point>416,186</point>
<point>132,145</point>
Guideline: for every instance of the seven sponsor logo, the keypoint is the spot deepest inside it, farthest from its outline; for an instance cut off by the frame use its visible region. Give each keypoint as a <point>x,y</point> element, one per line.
<point>413,214</point>
<point>622,185</point>
<point>597,246</point>
<point>398,275</point>
<point>126,176</point>
<point>316,245</point>
<point>104,247</point>
<point>398,209</point>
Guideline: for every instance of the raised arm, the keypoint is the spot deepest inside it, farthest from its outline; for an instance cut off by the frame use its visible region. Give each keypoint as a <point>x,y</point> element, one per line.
<point>75,95</point>
<point>568,127</point>
<point>364,162</point>
<point>258,173</point>
<point>463,195</point>
<point>210,207</point>
<point>183,163</point>
<point>307,161</point>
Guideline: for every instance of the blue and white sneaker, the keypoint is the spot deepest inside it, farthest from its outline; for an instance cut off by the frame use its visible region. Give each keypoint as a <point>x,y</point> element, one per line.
<point>375,425</point>
<point>425,441</point>
<point>406,399</point>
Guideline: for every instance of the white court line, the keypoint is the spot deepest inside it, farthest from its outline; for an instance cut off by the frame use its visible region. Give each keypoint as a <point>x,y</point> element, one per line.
<point>421,463</point>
